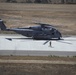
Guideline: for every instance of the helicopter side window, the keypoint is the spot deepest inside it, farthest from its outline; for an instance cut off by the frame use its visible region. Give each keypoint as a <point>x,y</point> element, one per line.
<point>52,33</point>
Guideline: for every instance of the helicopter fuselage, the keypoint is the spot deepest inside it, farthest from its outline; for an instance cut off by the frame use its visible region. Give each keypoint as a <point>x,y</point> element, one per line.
<point>41,31</point>
<point>38,33</point>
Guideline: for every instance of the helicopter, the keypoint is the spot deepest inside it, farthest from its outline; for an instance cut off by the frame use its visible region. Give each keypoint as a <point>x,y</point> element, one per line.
<point>38,32</point>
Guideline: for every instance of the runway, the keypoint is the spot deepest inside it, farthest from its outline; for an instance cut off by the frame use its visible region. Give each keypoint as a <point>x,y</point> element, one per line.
<point>12,44</point>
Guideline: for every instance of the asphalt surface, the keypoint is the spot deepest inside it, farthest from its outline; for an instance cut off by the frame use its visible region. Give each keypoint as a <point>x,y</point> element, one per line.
<point>20,45</point>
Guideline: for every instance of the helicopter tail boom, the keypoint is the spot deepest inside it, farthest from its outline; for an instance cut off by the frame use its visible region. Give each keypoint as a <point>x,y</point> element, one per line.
<point>2,25</point>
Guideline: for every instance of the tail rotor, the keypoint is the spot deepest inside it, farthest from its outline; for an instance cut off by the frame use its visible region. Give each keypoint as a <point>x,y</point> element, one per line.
<point>2,25</point>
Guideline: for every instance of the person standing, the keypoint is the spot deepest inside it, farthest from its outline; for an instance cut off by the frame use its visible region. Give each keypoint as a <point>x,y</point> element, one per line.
<point>50,44</point>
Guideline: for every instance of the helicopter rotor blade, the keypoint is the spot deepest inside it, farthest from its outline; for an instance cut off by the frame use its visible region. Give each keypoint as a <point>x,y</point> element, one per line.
<point>46,42</point>
<point>40,23</point>
<point>64,42</point>
<point>10,39</point>
<point>43,24</point>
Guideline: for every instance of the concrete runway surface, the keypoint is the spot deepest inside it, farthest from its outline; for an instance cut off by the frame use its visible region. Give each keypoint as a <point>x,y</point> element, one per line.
<point>21,45</point>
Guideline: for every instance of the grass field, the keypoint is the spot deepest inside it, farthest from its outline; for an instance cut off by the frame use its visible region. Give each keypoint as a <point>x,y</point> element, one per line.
<point>20,15</point>
<point>37,68</point>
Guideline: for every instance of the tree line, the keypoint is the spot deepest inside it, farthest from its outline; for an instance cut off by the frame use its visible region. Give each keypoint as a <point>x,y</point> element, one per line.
<point>42,1</point>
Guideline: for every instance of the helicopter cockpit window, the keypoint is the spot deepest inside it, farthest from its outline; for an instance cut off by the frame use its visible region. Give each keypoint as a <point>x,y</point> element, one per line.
<point>30,28</point>
<point>52,31</point>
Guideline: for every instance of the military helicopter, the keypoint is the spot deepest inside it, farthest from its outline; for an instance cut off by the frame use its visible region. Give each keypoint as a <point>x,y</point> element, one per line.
<point>38,32</point>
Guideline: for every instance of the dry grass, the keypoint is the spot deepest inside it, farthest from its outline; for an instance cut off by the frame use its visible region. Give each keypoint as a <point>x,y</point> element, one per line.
<point>52,58</point>
<point>37,69</point>
<point>20,15</point>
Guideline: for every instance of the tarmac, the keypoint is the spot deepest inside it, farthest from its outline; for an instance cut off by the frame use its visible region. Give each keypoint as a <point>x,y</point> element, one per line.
<point>12,44</point>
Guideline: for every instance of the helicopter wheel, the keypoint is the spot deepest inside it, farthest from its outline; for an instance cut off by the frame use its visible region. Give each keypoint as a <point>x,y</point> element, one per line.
<point>59,38</point>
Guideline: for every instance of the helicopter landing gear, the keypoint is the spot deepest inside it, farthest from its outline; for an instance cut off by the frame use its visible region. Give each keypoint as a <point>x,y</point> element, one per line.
<point>59,38</point>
